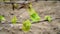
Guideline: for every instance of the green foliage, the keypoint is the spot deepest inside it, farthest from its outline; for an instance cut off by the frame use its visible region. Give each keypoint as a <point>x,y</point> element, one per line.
<point>33,15</point>
<point>2,18</point>
<point>26,26</point>
<point>48,18</point>
<point>14,20</point>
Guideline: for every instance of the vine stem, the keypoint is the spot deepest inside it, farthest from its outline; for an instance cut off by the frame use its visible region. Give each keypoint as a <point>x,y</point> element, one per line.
<point>32,22</point>
<point>19,26</point>
<point>42,20</point>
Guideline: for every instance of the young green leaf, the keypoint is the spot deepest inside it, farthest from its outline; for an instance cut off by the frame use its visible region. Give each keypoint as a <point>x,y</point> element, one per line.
<point>14,20</point>
<point>2,18</point>
<point>48,18</point>
<point>26,26</point>
<point>33,15</point>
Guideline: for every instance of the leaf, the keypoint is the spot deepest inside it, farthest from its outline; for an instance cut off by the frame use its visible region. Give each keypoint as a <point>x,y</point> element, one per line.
<point>2,18</point>
<point>14,20</point>
<point>33,15</point>
<point>48,18</point>
<point>26,26</point>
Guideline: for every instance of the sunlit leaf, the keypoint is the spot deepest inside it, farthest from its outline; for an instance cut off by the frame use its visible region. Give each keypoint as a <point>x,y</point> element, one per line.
<point>2,18</point>
<point>26,26</point>
<point>33,15</point>
<point>48,18</point>
<point>14,20</point>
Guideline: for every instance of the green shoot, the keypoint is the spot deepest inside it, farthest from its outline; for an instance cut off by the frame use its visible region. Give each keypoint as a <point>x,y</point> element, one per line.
<point>48,18</point>
<point>26,26</point>
<point>14,20</point>
<point>33,15</point>
<point>2,18</point>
